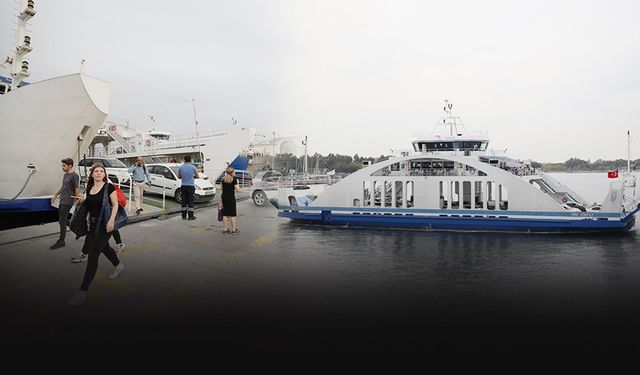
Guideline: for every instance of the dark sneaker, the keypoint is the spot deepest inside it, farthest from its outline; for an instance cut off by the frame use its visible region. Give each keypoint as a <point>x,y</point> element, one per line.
<point>191,218</point>
<point>82,257</point>
<point>57,245</point>
<point>235,232</point>
<point>184,217</point>
<point>138,211</point>
<point>226,231</point>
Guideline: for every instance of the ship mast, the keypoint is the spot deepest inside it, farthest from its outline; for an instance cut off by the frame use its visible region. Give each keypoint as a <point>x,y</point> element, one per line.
<point>195,119</point>
<point>20,66</point>
<point>305,156</point>
<point>628,151</point>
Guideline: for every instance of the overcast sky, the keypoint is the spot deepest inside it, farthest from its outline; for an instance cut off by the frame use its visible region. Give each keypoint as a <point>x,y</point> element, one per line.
<point>548,80</point>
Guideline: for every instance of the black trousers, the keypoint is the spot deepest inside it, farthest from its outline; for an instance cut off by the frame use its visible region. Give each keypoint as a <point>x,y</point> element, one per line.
<point>63,218</point>
<point>96,244</point>
<point>115,234</point>
<point>188,196</point>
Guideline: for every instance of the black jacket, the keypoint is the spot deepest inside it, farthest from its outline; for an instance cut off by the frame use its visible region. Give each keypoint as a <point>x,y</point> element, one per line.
<point>78,223</point>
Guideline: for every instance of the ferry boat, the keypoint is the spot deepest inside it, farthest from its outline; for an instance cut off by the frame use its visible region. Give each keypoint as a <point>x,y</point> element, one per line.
<point>450,182</point>
<point>42,123</point>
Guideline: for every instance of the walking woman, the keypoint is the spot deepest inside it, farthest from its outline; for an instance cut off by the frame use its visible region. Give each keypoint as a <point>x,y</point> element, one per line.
<point>97,239</point>
<point>229,187</point>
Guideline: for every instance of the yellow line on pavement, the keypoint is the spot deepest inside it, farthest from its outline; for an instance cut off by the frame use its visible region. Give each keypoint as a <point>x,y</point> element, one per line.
<point>137,249</point>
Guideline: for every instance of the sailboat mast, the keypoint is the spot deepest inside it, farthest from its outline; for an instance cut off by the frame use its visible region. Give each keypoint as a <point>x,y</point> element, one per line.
<point>305,155</point>
<point>197,132</point>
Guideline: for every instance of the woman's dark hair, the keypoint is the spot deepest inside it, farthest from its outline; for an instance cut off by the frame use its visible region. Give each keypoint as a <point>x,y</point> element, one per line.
<point>187,158</point>
<point>90,182</point>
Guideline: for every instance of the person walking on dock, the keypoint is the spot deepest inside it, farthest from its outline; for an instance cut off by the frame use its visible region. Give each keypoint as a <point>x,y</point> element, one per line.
<point>70,187</point>
<point>229,187</point>
<point>188,173</point>
<point>141,180</point>
<point>97,239</point>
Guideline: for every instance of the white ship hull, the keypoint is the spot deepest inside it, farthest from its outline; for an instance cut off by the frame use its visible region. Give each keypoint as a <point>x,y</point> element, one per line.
<point>43,123</point>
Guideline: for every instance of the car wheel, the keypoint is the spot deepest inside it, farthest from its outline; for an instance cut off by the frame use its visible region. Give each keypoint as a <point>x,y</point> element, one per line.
<point>259,198</point>
<point>178,196</point>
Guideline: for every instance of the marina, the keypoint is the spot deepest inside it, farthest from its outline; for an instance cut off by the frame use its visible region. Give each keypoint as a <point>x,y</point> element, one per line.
<point>446,243</point>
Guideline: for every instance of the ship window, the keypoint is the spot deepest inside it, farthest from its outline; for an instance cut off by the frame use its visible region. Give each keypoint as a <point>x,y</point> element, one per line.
<point>3,88</point>
<point>398,193</point>
<point>455,195</point>
<point>409,195</point>
<point>466,194</point>
<point>388,190</point>
<point>377,193</point>
<point>382,172</point>
<point>395,167</point>
<point>491,195</point>
<point>503,197</point>
<point>478,194</point>
<point>366,193</point>
<point>444,195</point>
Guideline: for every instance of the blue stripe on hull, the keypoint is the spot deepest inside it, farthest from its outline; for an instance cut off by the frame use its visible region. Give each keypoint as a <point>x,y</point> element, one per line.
<point>26,205</point>
<point>462,223</point>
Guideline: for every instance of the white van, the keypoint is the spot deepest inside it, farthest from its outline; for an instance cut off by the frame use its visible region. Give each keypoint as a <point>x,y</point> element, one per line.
<point>117,172</point>
<point>164,176</point>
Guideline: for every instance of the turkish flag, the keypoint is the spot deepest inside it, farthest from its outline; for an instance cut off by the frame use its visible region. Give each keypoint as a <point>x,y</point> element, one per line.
<point>613,174</point>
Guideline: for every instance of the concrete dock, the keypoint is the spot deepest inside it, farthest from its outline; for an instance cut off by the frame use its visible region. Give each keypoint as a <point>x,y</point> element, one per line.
<point>181,279</point>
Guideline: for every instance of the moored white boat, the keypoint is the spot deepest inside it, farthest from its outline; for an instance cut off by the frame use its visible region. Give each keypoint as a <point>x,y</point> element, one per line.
<point>451,182</point>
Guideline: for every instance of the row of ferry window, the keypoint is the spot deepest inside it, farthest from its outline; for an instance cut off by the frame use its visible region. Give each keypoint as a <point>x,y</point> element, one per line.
<point>429,168</point>
<point>452,195</point>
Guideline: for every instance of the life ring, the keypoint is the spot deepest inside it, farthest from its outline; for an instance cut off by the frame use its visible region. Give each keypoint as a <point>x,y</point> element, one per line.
<point>564,200</point>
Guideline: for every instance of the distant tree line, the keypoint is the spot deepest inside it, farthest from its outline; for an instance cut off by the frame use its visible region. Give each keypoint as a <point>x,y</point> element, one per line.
<point>579,165</point>
<point>322,164</point>
<point>349,164</point>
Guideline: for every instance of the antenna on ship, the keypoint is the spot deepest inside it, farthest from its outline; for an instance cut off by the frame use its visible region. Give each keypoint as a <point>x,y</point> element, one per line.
<point>447,109</point>
<point>20,67</point>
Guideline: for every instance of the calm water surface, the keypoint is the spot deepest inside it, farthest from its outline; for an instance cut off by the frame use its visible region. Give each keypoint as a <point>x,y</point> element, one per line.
<point>536,287</point>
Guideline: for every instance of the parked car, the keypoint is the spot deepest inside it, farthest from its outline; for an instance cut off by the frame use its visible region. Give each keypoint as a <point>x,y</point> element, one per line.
<point>164,176</point>
<point>267,176</point>
<point>265,186</point>
<point>117,171</point>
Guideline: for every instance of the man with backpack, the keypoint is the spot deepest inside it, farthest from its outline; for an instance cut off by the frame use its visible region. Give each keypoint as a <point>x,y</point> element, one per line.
<point>141,180</point>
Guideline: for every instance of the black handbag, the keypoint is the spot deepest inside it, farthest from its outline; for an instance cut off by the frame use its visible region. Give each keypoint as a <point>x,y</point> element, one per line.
<point>105,213</point>
<point>78,224</point>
